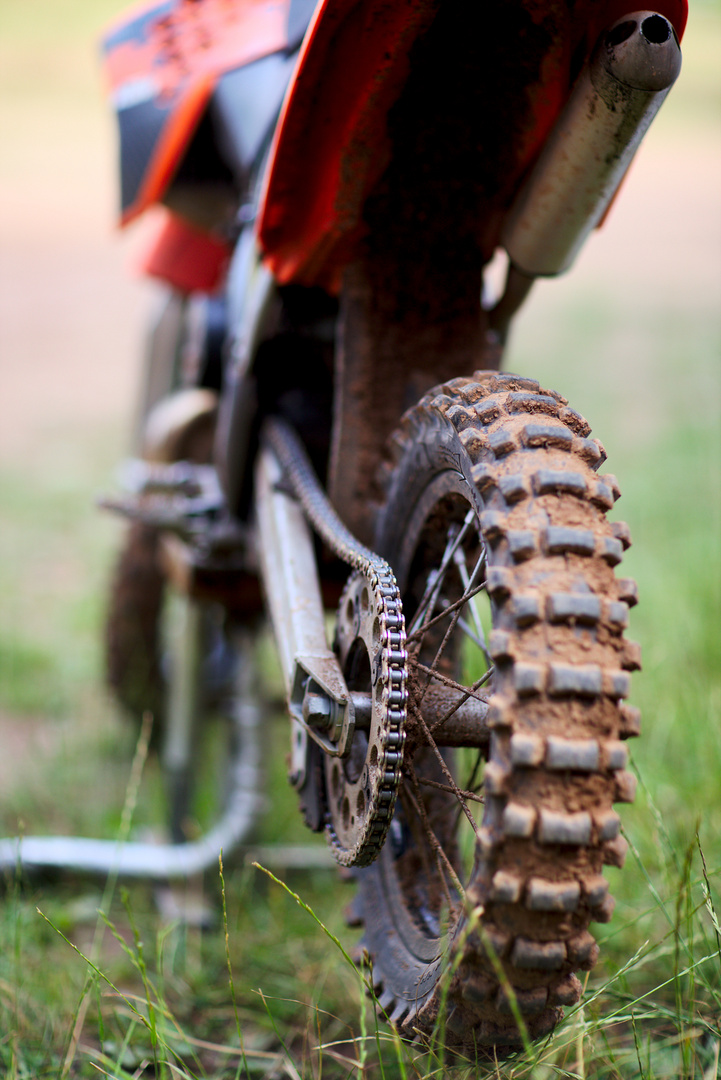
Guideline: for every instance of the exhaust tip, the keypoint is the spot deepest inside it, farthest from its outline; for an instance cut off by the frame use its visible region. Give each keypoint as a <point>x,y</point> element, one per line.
<point>641,51</point>
<point>621,32</point>
<point>656,29</point>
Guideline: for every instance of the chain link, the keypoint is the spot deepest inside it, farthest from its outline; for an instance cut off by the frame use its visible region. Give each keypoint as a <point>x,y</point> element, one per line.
<point>389,669</point>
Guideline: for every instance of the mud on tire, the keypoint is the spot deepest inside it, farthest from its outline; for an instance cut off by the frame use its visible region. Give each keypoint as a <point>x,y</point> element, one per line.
<point>517,463</point>
<point>132,627</point>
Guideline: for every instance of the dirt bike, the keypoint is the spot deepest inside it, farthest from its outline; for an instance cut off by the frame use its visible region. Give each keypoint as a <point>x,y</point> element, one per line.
<point>325,426</point>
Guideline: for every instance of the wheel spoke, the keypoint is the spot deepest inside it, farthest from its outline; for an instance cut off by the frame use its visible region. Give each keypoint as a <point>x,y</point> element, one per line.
<point>469,691</point>
<point>467,794</point>
<point>417,820</point>
<point>442,647</point>
<point>419,634</point>
<point>469,582</point>
<point>456,617</point>
<point>467,695</point>
<point>441,856</point>
<point>473,636</point>
<point>435,578</point>
<point>471,782</point>
<point>444,768</point>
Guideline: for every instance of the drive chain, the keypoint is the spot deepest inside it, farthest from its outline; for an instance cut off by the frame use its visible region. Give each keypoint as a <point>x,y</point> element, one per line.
<point>389,666</point>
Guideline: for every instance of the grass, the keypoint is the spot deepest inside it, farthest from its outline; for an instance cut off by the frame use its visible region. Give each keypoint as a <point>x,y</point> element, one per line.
<point>651,1007</point>
<point>158,1001</point>
<point>265,990</point>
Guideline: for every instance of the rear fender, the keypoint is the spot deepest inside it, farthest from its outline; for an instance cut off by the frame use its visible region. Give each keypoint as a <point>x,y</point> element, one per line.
<point>332,143</point>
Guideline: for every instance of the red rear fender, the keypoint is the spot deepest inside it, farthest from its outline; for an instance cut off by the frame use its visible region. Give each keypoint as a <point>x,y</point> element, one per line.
<point>333,144</point>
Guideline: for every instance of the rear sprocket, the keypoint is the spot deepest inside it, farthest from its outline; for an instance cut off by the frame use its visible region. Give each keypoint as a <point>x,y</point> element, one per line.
<point>362,788</point>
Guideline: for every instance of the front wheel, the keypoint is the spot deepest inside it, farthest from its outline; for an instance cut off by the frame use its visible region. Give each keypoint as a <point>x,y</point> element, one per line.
<point>494,524</point>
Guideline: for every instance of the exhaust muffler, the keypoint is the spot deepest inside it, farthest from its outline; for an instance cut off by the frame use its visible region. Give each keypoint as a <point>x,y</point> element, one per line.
<point>615,98</point>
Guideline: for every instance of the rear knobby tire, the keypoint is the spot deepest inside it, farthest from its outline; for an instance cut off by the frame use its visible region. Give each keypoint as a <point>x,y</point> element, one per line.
<point>522,463</point>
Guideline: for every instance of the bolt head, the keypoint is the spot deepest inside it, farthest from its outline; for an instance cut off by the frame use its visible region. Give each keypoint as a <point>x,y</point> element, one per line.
<point>316,710</point>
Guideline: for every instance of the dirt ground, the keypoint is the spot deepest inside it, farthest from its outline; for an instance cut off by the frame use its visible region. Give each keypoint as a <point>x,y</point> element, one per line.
<point>71,315</point>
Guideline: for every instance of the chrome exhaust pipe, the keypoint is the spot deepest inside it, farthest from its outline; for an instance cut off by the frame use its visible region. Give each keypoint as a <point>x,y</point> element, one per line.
<point>569,189</point>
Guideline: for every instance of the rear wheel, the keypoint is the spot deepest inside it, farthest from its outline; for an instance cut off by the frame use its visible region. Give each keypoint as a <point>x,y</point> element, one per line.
<point>494,524</point>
